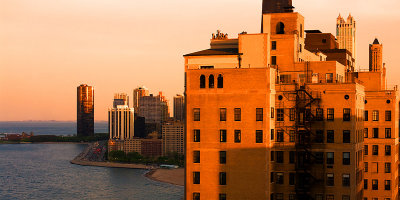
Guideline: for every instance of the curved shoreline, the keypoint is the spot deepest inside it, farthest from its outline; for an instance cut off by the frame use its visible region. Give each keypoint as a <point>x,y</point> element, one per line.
<point>110,164</point>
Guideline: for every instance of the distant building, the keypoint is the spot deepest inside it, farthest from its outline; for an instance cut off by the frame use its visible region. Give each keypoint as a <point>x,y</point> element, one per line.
<point>375,56</point>
<point>173,137</point>
<point>145,147</point>
<point>346,34</point>
<point>137,93</point>
<point>85,110</point>
<point>153,108</point>
<point>179,107</point>
<point>121,122</point>
<point>120,99</point>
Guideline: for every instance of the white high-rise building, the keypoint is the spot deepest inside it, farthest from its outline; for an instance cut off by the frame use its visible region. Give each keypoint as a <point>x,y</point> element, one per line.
<point>346,34</point>
<point>121,122</point>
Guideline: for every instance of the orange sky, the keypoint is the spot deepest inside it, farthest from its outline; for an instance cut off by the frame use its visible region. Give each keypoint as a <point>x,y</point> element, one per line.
<point>48,47</point>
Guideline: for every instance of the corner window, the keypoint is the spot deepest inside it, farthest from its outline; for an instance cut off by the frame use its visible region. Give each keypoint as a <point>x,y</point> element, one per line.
<point>222,114</point>
<point>222,135</point>
<point>222,178</point>
<point>196,156</point>
<point>196,177</point>
<point>196,196</point>
<point>330,136</point>
<point>238,114</point>
<point>273,60</point>
<point>196,135</point>
<point>388,150</point>
<point>375,150</point>
<point>366,115</point>
<point>273,45</point>
<point>346,114</point>
<point>222,157</point>
<point>388,133</point>
<point>280,114</point>
<point>202,81</point>
<point>280,28</point>
<point>375,133</point>
<point>375,115</point>
<point>196,114</point>
<point>346,136</point>
<point>259,136</point>
<point>329,77</point>
<point>330,114</point>
<point>238,136</point>
<point>259,114</point>
<point>346,158</point>
<point>388,115</point>
<point>374,184</point>
<point>330,179</point>
<point>211,81</point>
<point>346,180</point>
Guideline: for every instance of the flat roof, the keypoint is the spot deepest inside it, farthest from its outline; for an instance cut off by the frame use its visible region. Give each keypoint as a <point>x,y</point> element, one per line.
<point>212,52</point>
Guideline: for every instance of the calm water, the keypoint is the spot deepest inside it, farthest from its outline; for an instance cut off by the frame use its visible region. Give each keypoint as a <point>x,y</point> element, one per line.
<point>48,128</point>
<point>43,171</point>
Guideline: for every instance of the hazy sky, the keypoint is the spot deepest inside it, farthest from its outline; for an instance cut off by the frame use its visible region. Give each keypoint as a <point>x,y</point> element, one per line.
<point>49,47</point>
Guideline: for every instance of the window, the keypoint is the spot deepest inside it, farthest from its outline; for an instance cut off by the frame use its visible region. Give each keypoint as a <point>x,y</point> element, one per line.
<point>292,178</point>
<point>279,157</point>
<point>272,112</point>
<point>320,114</point>
<point>388,167</point>
<point>273,60</point>
<point>375,115</point>
<point>388,150</point>
<point>346,136</point>
<point>259,114</point>
<point>346,114</point>
<point>366,115</point>
<point>285,78</point>
<point>280,28</point>
<point>222,178</point>
<point>273,45</point>
<point>196,135</point>
<point>375,150</point>
<point>222,196</point>
<point>279,178</point>
<point>196,196</point>
<point>222,114</point>
<point>292,155</point>
<point>388,133</point>
<point>220,81</point>
<point>259,136</point>
<point>330,136</point>
<point>272,134</point>
<point>324,41</point>
<point>374,184</point>
<point>375,133</point>
<point>292,136</point>
<point>196,156</point>
<point>319,157</point>
<point>330,179</point>
<point>330,158</point>
<point>346,180</point>
<point>196,114</point>
<point>292,114</point>
<point>211,81</point>
<point>202,81</point>
<point>388,115</point>
<point>329,78</point>
<point>387,185</point>
<point>330,114</point>
<point>222,157</point>
<point>346,158</point>
<point>222,135</point>
<point>345,197</point>
<point>278,196</point>
<point>280,114</point>
<point>196,177</point>
<point>272,155</point>
<point>238,136</point>
<point>319,197</point>
<point>319,136</point>
<point>365,150</point>
<point>365,184</point>
<point>279,136</point>
<point>330,197</point>
<point>238,114</point>
<point>365,167</point>
<point>365,132</point>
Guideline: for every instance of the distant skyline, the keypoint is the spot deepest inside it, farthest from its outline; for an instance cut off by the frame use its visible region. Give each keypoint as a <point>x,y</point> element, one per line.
<point>48,48</point>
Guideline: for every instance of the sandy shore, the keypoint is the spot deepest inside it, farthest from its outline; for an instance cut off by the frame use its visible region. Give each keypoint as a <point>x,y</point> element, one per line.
<point>172,176</point>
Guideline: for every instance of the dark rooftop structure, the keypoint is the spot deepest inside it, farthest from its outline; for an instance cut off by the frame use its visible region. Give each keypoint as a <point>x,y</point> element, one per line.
<point>376,41</point>
<point>277,6</point>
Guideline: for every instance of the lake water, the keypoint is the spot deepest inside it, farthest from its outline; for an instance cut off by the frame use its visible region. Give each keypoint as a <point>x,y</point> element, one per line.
<point>43,171</point>
<point>48,128</point>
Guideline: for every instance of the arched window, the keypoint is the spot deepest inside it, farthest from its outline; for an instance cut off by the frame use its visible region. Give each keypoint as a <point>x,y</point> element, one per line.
<point>202,81</point>
<point>211,81</point>
<point>280,28</point>
<point>220,81</point>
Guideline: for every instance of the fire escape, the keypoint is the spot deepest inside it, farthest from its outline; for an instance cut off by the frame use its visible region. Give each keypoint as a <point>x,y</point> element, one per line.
<point>305,157</point>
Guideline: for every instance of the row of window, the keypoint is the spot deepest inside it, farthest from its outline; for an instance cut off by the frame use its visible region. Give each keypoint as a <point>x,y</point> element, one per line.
<point>375,133</point>
<point>375,115</point>
<point>279,196</point>
<point>319,136</point>
<point>374,167</point>
<point>196,196</point>
<point>220,81</point>
<point>223,114</point>
<point>375,150</point>
<point>319,114</point>
<point>375,184</point>
<point>223,136</point>
<point>222,157</point>
<point>278,157</point>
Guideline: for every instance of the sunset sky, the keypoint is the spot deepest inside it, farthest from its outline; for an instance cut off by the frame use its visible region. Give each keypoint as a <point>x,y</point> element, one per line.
<point>49,47</point>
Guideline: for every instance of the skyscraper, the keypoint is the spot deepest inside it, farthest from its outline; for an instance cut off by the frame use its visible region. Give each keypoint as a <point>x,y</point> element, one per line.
<point>120,99</point>
<point>179,107</point>
<point>137,93</point>
<point>346,34</point>
<point>375,56</point>
<point>121,122</point>
<point>172,137</point>
<point>85,110</point>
